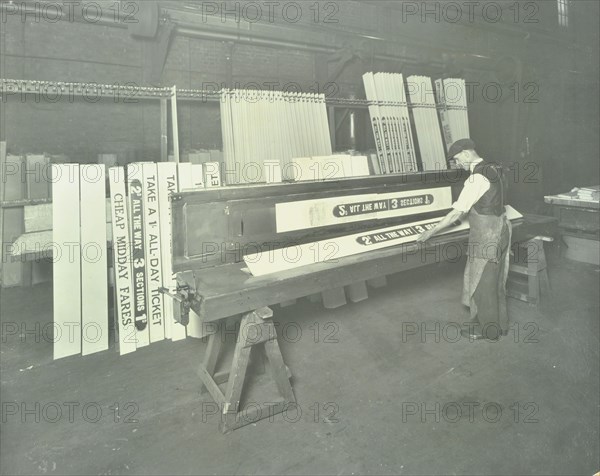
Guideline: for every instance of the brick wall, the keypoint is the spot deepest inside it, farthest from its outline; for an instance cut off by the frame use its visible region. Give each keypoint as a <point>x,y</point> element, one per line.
<point>557,125</point>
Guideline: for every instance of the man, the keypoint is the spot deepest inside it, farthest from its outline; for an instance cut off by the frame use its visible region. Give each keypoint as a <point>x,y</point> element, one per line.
<point>482,198</point>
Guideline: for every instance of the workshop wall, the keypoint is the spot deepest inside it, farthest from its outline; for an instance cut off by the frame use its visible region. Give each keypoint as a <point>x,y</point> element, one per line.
<point>546,114</point>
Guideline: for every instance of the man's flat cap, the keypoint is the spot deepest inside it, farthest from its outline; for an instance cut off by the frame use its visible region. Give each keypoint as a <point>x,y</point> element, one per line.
<point>459,146</point>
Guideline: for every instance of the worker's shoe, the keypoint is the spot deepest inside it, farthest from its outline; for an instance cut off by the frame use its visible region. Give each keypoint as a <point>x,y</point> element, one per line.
<point>475,334</point>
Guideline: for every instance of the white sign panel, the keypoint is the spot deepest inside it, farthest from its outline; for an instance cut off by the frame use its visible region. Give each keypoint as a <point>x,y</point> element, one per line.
<point>292,257</point>
<point>305,214</point>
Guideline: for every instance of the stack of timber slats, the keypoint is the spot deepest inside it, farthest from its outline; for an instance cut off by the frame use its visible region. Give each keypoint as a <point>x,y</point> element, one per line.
<point>390,120</point>
<point>261,126</point>
<point>80,260</point>
<point>139,216</point>
<point>443,112</point>
<point>327,167</point>
<point>429,135</point>
<point>452,99</point>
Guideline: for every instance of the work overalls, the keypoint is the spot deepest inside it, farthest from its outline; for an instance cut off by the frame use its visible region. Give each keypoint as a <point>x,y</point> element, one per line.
<point>484,286</point>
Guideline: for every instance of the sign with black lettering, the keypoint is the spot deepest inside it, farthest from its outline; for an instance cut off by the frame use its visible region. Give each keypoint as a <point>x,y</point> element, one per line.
<point>305,214</point>
<point>138,253</point>
<point>122,261</point>
<point>153,253</point>
<point>332,249</point>
<point>394,234</point>
<point>167,186</point>
<point>375,206</point>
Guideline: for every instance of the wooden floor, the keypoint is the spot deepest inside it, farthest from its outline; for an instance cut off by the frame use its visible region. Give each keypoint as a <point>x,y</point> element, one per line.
<point>377,384</point>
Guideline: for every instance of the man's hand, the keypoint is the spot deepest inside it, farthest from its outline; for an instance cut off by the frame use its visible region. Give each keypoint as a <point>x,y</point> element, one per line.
<point>426,235</point>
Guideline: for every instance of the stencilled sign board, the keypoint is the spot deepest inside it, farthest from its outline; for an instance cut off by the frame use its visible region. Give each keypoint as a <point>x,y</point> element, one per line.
<point>122,261</point>
<point>167,186</point>
<point>292,257</point>
<point>300,215</point>
<point>153,253</point>
<point>138,253</point>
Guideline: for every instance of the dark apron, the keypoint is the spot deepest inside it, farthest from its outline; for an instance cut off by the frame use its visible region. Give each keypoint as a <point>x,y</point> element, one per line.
<point>489,244</point>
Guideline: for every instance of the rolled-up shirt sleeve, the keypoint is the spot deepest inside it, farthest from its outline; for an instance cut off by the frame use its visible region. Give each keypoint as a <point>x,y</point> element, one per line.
<point>475,186</point>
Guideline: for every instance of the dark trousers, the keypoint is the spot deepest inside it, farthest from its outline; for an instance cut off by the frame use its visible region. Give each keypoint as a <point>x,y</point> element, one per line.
<point>490,297</point>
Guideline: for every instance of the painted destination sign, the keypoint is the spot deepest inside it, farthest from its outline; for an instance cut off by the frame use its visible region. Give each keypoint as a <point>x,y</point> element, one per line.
<point>306,214</point>
<point>138,253</point>
<point>374,206</point>
<point>394,234</point>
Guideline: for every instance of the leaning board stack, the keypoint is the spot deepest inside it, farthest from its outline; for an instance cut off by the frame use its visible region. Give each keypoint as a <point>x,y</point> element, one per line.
<point>261,126</point>
<point>391,123</point>
<point>443,112</point>
<point>80,260</point>
<point>329,167</point>
<point>452,98</point>
<point>422,99</point>
<point>140,214</point>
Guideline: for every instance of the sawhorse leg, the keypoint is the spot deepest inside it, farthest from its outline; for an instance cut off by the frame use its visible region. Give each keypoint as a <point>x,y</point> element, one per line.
<point>256,332</point>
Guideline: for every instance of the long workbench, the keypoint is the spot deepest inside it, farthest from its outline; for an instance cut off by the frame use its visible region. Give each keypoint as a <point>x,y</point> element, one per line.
<point>215,283</point>
<point>228,290</point>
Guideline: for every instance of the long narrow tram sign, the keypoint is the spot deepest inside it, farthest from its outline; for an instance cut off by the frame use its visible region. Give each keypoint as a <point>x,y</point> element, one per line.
<point>332,249</point>
<point>138,252</point>
<point>375,206</point>
<point>371,239</point>
<point>305,214</point>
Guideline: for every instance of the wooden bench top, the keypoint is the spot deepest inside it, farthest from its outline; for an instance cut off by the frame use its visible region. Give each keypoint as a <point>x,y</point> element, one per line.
<point>228,290</point>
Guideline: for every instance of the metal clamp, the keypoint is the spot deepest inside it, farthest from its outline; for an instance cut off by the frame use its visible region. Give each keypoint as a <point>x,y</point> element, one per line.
<point>183,296</point>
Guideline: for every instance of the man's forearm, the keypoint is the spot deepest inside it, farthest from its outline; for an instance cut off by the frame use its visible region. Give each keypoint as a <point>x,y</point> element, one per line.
<point>448,220</point>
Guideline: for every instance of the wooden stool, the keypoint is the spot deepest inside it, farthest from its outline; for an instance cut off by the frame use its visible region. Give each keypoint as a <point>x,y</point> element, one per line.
<point>258,333</point>
<point>530,261</point>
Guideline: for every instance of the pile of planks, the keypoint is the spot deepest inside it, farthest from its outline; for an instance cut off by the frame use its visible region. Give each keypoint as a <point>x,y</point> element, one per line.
<point>588,194</point>
<point>451,96</point>
<point>422,99</point>
<point>79,247</point>
<point>268,126</point>
<point>391,123</point>
<point>302,169</point>
<point>141,237</point>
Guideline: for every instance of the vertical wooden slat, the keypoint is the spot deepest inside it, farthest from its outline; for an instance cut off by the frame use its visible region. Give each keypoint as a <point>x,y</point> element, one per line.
<point>67,261</point>
<point>138,253</point>
<point>164,154</point>
<point>175,125</point>
<point>94,274</point>
<point>153,255</point>
<point>426,123</point>
<point>212,175</point>
<point>198,176</point>
<point>122,261</point>
<point>167,186</point>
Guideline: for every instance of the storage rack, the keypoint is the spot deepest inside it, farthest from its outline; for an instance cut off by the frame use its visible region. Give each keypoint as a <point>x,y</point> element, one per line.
<point>135,92</point>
